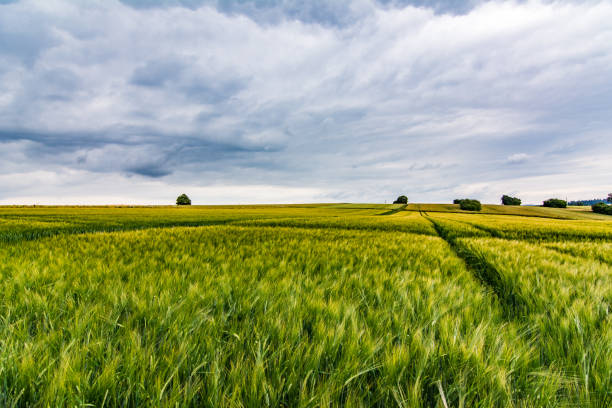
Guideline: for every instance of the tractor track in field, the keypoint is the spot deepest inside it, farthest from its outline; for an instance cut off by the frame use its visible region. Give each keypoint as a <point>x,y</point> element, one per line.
<point>514,306</point>
<point>395,210</point>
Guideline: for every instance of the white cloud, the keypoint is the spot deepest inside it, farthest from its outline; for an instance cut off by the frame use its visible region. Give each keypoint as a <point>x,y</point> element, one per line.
<point>517,158</point>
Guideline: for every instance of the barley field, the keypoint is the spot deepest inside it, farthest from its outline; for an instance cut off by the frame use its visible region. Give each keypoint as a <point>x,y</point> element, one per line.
<point>305,306</point>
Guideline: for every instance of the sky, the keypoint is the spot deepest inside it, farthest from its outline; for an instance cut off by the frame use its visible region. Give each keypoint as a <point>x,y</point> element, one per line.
<point>287,101</point>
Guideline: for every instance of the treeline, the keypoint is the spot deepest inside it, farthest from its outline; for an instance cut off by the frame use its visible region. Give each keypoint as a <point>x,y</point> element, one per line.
<point>468,204</point>
<point>586,202</point>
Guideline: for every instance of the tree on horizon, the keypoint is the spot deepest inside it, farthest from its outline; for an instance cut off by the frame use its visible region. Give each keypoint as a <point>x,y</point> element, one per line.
<point>183,200</point>
<point>508,200</point>
<point>401,200</point>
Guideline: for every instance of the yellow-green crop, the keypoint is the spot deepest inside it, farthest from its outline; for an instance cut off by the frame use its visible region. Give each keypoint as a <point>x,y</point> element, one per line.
<point>303,306</point>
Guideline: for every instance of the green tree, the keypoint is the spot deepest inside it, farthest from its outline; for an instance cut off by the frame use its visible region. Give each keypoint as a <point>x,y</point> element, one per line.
<point>183,200</point>
<point>602,208</point>
<point>609,199</point>
<point>401,200</point>
<point>470,205</point>
<point>508,200</point>
<point>555,203</point>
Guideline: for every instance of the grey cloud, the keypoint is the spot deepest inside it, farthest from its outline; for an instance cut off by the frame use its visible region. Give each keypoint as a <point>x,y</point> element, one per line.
<point>24,40</point>
<point>58,84</point>
<point>187,78</point>
<point>328,12</point>
<point>439,6</point>
<point>325,12</point>
<point>210,90</point>
<point>374,99</point>
<point>153,170</point>
<point>157,73</point>
<point>51,140</point>
<point>137,151</point>
<point>145,4</point>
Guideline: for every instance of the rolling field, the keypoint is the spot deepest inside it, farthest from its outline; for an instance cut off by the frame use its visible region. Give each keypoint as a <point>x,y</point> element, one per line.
<point>305,306</point>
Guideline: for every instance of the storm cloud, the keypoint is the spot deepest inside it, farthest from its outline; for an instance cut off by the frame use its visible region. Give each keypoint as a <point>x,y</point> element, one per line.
<point>290,101</point>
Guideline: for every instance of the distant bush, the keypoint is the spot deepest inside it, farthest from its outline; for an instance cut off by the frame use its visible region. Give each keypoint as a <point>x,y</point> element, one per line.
<point>468,204</point>
<point>401,200</point>
<point>508,200</point>
<point>183,200</point>
<point>555,203</point>
<point>602,208</point>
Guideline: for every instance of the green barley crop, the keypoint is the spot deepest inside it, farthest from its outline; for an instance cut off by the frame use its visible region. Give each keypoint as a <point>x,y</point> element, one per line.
<point>565,301</point>
<point>303,305</point>
<point>601,251</point>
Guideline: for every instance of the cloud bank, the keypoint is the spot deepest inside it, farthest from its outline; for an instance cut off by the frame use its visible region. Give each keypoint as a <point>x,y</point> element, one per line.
<point>277,101</point>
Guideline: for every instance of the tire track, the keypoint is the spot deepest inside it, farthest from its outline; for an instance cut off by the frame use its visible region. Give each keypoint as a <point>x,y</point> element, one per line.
<point>514,305</point>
